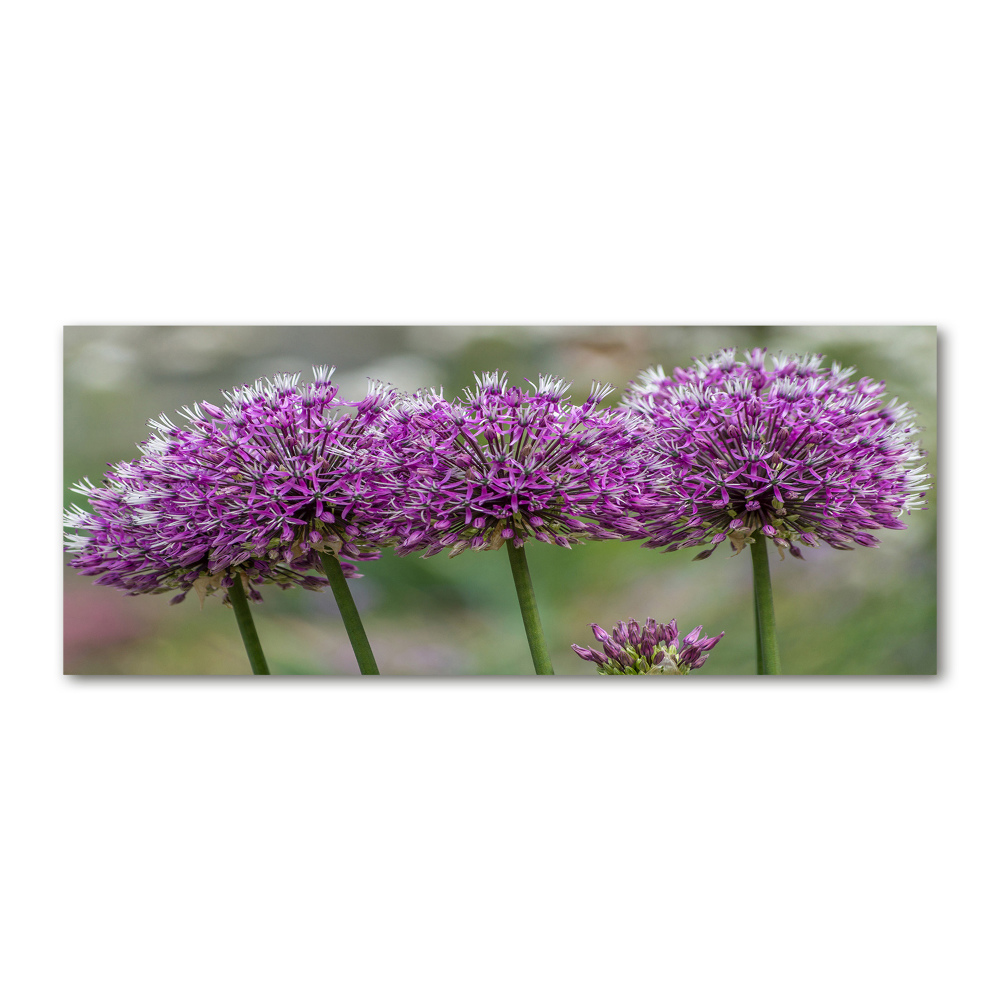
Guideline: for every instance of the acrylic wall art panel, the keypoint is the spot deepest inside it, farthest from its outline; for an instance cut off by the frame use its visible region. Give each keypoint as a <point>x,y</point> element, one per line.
<point>615,501</point>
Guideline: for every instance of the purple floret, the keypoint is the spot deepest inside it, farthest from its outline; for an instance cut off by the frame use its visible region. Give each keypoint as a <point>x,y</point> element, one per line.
<point>796,450</point>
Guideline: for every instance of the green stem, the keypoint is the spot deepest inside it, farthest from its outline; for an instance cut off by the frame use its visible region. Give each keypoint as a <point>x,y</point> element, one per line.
<point>529,608</point>
<point>251,641</point>
<point>767,662</point>
<point>349,612</point>
<point>756,628</point>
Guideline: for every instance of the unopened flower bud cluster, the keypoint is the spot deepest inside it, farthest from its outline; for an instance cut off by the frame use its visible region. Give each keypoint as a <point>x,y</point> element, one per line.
<point>652,648</point>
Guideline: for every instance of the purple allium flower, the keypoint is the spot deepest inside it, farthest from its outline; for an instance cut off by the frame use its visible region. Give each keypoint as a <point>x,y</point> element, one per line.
<point>506,464</point>
<point>647,649</point>
<point>798,451</point>
<point>139,549</point>
<point>258,487</point>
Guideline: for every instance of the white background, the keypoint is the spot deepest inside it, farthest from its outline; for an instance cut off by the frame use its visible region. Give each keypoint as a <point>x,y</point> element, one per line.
<point>525,162</point>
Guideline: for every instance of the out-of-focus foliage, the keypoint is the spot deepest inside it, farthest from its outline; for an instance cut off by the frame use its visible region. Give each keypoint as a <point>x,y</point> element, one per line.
<point>869,611</point>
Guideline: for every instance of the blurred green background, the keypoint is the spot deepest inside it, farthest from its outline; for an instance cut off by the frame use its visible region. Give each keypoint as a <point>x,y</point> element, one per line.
<point>868,611</point>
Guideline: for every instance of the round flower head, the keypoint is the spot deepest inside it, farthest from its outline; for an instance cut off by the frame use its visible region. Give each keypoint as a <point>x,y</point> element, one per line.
<point>136,540</point>
<point>798,451</point>
<point>509,465</point>
<point>260,486</point>
<point>632,648</point>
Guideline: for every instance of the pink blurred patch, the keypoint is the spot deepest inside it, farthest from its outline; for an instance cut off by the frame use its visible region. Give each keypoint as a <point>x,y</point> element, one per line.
<point>98,617</point>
